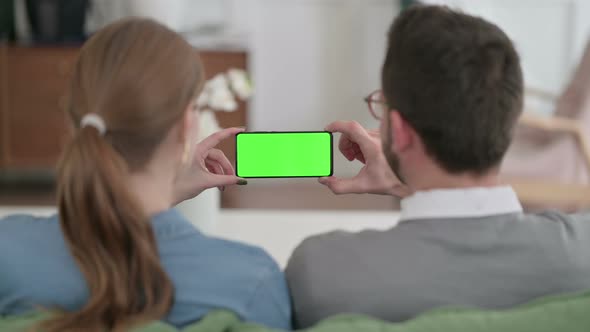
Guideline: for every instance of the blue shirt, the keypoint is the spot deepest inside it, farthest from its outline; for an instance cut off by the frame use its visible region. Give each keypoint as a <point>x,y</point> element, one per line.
<point>37,269</point>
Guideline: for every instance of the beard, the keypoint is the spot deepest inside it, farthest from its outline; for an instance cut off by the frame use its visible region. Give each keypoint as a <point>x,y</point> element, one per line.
<point>392,158</point>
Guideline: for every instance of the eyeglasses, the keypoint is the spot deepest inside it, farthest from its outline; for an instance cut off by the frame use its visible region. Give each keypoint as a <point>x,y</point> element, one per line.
<point>376,103</point>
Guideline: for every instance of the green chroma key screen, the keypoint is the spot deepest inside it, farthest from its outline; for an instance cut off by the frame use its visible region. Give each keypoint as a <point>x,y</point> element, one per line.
<point>283,154</point>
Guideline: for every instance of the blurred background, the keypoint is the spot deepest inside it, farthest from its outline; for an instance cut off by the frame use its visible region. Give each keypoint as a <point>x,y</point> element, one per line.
<point>310,62</point>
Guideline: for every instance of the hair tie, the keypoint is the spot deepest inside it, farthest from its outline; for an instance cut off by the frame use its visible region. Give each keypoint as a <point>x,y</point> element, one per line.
<point>94,120</point>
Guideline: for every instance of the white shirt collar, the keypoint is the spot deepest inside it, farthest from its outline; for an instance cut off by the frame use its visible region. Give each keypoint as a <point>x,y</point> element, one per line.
<point>460,203</point>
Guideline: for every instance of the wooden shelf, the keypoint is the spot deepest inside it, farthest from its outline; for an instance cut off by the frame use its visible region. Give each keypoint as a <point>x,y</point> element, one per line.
<point>33,123</point>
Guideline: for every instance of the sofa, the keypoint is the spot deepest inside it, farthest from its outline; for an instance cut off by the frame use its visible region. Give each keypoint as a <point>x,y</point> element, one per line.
<point>569,313</point>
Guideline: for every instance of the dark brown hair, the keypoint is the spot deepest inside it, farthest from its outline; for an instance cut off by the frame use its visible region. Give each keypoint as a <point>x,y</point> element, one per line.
<point>456,79</point>
<point>140,77</point>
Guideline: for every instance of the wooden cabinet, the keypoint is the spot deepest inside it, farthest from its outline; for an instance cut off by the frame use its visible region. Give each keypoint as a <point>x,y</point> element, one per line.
<point>34,129</point>
<point>33,123</point>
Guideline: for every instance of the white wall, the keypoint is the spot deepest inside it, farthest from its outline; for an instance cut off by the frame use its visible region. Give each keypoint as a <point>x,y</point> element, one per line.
<point>549,34</point>
<point>313,61</point>
<point>582,28</point>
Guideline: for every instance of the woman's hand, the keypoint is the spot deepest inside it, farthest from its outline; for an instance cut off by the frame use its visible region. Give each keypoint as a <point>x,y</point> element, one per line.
<point>376,177</point>
<point>209,168</point>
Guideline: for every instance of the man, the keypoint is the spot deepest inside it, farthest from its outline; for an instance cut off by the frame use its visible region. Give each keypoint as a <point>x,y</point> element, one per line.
<point>452,93</point>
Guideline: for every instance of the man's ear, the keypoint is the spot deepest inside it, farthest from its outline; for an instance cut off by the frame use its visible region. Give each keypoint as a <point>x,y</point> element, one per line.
<point>401,131</point>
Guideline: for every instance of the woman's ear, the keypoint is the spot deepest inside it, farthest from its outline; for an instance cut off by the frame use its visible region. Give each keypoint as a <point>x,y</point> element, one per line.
<point>189,122</point>
<point>187,134</point>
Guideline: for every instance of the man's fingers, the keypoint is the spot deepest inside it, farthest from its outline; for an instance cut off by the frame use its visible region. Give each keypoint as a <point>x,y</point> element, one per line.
<point>341,186</point>
<point>349,154</point>
<point>344,143</point>
<point>353,132</point>
<point>352,151</point>
<point>219,157</point>
<point>361,157</point>
<point>216,138</point>
<point>346,147</point>
<point>402,191</point>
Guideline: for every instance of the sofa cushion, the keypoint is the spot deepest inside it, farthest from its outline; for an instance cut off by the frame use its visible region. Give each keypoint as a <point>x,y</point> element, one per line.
<point>557,313</point>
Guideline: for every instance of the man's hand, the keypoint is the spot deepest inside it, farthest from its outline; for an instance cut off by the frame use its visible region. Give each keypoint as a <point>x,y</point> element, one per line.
<point>209,168</point>
<point>376,177</point>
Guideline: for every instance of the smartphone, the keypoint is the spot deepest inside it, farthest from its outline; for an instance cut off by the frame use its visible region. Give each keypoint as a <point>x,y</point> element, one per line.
<point>284,154</point>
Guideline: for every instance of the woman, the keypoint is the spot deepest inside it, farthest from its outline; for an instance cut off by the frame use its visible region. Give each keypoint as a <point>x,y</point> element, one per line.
<point>116,255</point>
